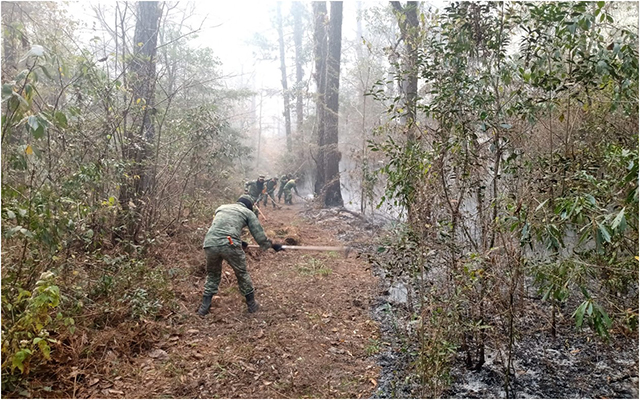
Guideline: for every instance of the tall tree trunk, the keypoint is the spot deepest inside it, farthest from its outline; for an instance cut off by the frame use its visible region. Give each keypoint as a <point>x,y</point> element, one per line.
<point>410,32</point>
<point>142,78</point>
<point>320,55</point>
<point>283,70</point>
<point>296,10</point>
<point>409,29</point>
<point>332,194</point>
<point>259,132</point>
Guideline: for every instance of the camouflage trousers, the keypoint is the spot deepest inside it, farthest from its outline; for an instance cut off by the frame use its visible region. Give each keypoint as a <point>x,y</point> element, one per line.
<point>235,257</point>
<point>269,196</point>
<point>288,197</point>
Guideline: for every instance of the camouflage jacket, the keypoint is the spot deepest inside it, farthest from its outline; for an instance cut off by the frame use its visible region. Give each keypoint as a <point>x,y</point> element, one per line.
<point>271,185</point>
<point>291,185</point>
<point>283,180</point>
<point>229,220</point>
<point>253,188</point>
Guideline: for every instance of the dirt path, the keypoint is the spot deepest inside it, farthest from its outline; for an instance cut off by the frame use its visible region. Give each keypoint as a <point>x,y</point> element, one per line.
<point>311,337</point>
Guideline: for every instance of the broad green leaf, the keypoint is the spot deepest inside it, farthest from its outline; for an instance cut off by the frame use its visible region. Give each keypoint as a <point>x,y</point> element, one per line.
<point>579,313</point>
<point>23,74</point>
<point>13,231</point>
<point>39,132</point>
<point>28,91</point>
<point>26,232</point>
<point>46,71</point>
<point>33,122</point>
<point>61,119</point>
<point>45,349</point>
<point>7,90</point>
<point>604,315</point>
<point>618,220</point>
<point>605,233</point>
<point>19,358</point>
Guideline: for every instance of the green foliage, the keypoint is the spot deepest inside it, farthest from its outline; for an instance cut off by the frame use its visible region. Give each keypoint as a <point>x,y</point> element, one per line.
<point>438,350</point>
<point>68,155</point>
<point>27,325</point>
<point>595,314</point>
<point>140,304</point>
<point>404,160</point>
<point>523,160</point>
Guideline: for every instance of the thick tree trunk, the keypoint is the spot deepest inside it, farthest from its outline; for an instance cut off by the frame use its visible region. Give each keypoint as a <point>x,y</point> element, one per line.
<point>296,10</point>
<point>409,29</point>
<point>320,55</point>
<point>140,135</point>
<point>332,194</point>
<point>283,70</point>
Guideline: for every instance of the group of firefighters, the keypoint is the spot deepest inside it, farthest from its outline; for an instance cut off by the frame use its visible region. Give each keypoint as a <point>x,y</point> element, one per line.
<point>223,239</point>
<point>264,190</point>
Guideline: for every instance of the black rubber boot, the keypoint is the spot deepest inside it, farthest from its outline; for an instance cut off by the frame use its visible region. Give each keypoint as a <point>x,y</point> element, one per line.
<point>252,305</point>
<point>204,307</point>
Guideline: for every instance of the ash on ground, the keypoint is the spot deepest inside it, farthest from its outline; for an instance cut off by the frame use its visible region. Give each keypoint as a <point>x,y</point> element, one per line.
<point>574,364</point>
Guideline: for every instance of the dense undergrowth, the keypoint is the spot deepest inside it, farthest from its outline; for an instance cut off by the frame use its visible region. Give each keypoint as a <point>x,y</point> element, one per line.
<point>86,194</point>
<point>519,177</point>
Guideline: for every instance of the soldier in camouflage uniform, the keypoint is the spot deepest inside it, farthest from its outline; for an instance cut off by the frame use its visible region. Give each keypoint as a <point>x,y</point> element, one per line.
<point>270,188</point>
<point>287,191</point>
<point>222,242</point>
<point>255,189</point>
<point>283,181</point>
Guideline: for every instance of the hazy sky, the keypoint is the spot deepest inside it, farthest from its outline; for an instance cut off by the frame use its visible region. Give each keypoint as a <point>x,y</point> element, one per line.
<point>231,25</point>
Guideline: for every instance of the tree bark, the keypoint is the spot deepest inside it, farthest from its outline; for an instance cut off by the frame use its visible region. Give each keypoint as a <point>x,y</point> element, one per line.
<point>296,10</point>
<point>320,55</point>
<point>283,70</point>
<point>332,194</point>
<point>409,30</point>
<point>142,78</point>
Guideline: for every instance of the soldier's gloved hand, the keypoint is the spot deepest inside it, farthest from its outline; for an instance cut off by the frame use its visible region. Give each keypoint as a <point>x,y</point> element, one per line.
<point>277,247</point>
<point>244,245</point>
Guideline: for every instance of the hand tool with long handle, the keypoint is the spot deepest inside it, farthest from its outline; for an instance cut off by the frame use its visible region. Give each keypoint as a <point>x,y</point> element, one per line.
<point>260,211</point>
<point>345,249</point>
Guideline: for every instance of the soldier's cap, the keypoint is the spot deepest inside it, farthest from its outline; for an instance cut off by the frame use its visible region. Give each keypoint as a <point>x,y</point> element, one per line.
<point>247,200</point>
<point>261,177</point>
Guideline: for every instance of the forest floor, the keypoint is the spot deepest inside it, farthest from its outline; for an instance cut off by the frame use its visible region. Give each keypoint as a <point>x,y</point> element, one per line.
<point>310,338</point>
<point>324,330</point>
